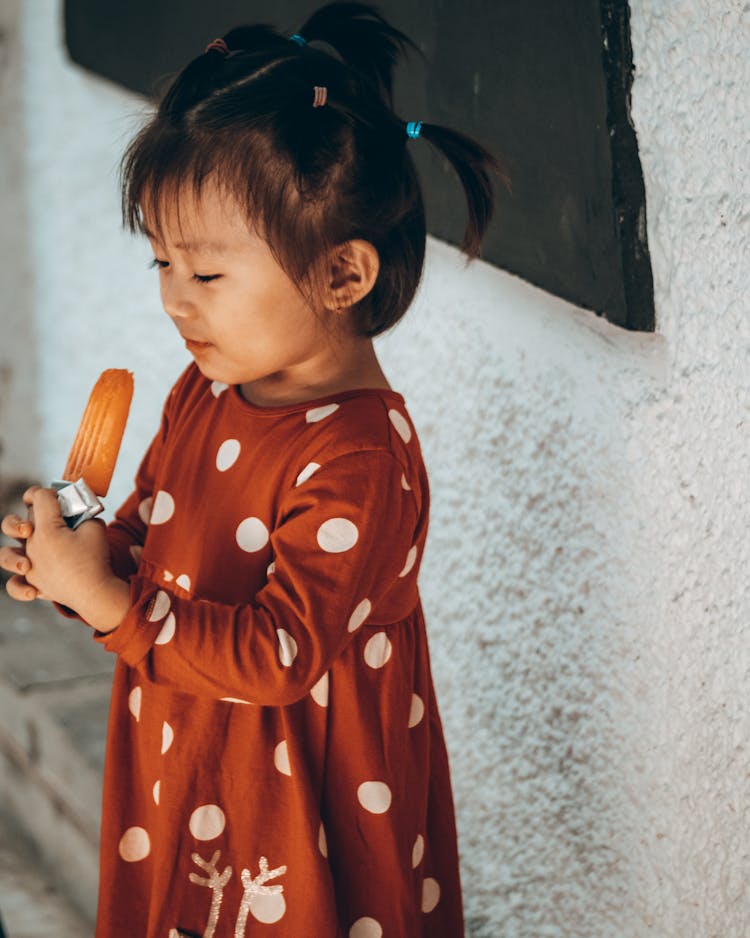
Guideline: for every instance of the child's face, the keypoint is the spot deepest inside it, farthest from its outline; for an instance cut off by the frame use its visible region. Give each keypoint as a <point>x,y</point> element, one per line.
<point>241,317</point>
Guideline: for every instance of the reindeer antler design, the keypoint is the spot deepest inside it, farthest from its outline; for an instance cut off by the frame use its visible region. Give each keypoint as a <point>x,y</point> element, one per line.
<point>216,882</point>
<point>256,887</point>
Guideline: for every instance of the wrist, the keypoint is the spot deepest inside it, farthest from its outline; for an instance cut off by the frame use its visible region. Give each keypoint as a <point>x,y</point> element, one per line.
<point>107,605</point>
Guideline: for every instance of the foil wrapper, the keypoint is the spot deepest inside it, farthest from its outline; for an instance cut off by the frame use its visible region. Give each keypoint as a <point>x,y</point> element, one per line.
<point>77,502</point>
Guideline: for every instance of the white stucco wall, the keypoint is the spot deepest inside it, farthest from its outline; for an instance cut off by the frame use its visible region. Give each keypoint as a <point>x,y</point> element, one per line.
<point>18,373</point>
<point>585,578</point>
<point>690,655</point>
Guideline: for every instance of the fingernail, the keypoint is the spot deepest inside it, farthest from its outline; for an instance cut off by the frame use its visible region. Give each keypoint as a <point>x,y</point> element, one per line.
<point>20,566</point>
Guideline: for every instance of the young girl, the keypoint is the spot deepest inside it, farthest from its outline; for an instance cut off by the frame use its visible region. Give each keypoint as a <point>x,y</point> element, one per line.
<point>276,763</point>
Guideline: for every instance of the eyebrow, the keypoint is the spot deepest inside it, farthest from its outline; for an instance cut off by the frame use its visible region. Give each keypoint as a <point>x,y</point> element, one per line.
<point>215,247</point>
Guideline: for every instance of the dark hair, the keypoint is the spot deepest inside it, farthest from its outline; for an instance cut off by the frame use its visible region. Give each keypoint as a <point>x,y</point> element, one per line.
<point>309,178</point>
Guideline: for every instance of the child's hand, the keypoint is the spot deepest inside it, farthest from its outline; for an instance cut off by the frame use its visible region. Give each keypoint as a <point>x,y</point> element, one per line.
<point>72,567</point>
<point>14,559</point>
<point>65,565</point>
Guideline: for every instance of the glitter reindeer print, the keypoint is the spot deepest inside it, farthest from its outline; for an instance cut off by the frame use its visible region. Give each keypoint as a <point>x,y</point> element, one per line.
<point>265,903</point>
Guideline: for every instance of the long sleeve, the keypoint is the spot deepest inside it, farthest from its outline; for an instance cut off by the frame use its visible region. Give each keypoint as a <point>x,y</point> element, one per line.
<point>343,555</point>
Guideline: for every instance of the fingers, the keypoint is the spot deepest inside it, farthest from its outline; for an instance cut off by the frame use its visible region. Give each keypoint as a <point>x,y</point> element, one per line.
<point>44,508</point>
<point>18,589</point>
<point>14,560</point>
<point>28,495</point>
<point>19,528</point>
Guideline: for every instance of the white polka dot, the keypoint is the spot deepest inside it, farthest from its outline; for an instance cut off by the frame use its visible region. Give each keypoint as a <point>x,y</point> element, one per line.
<point>287,647</point>
<point>374,797</point>
<point>417,710</point>
<point>322,841</point>
<point>401,424</point>
<point>144,509</point>
<point>134,845</point>
<point>163,508</point>
<point>160,607</point>
<point>378,650</point>
<point>417,852</point>
<point>281,758</point>
<point>134,702</point>
<point>411,558</point>
<point>168,576</point>
<point>252,535</point>
<point>320,413</point>
<point>136,552</point>
<point>430,894</point>
<point>366,928</point>
<point>309,469</point>
<point>167,737</point>
<point>228,454</point>
<point>237,700</point>
<point>271,568</point>
<point>207,822</point>
<point>359,615</point>
<point>319,692</point>
<point>337,535</point>
<point>218,387</point>
<point>404,484</point>
<point>268,908</point>
<point>167,630</point>
<point>156,791</point>
<point>183,580</point>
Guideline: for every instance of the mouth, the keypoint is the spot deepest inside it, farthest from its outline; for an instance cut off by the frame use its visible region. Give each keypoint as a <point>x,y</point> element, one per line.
<point>193,345</point>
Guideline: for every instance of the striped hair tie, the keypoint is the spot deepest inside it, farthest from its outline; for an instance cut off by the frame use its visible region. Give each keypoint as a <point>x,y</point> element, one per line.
<point>321,96</point>
<point>217,45</point>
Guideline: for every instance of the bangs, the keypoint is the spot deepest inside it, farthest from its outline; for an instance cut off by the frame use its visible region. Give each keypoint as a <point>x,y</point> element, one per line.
<point>163,167</point>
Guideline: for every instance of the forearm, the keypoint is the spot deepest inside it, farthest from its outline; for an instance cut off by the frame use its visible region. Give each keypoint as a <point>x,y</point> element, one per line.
<point>251,652</point>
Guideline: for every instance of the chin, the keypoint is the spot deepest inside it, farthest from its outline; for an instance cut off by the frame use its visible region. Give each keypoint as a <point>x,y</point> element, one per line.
<point>214,372</point>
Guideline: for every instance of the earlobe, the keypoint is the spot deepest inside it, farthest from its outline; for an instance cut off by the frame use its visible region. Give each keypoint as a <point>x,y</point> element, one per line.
<point>353,271</point>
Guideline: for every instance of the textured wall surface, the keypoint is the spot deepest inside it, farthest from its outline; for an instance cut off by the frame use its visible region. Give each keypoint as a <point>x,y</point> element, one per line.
<point>585,580</point>
<point>18,374</point>
<point>692,113</point>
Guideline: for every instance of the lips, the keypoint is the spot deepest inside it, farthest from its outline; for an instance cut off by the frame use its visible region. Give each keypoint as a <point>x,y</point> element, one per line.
<point>194,345</point>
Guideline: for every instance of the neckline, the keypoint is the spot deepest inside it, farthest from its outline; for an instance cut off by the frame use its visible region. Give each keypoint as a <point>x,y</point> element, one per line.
<point>278,410</point>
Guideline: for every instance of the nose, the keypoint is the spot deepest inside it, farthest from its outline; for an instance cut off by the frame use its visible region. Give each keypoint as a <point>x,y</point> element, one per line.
<point>174,298</point>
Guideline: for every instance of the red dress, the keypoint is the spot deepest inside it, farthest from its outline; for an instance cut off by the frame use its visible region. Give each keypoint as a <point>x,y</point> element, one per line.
<point>276,764</point>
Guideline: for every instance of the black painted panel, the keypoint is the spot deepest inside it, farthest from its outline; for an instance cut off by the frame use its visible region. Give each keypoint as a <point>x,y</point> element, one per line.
<point>527,79</point>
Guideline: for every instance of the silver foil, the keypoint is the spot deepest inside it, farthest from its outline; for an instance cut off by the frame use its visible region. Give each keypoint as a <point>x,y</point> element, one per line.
<point>77,501</point>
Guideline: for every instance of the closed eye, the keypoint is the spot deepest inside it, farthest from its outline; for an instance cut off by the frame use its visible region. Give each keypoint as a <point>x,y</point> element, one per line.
<point>200,278</point>
<point>206,278</point>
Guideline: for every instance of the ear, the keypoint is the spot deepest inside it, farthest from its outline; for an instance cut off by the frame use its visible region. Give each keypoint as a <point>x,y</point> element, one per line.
<point>352,271</point>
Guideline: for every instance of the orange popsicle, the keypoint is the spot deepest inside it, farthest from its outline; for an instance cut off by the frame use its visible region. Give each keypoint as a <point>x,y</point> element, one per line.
<point>99,436</point>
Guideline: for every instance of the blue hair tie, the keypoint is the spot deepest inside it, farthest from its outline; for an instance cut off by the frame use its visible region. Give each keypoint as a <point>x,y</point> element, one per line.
<point>300,40</point>
<point>414,129</point>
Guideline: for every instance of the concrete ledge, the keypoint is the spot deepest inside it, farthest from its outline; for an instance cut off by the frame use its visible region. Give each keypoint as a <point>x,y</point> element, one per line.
<point>54,696</point>
<point>32,907</point>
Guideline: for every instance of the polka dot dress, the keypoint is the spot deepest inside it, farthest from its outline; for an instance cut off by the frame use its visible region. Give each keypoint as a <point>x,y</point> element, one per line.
<point>276,764</point>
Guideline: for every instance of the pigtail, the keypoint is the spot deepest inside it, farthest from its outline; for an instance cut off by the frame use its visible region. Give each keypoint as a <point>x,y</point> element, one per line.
<point>364,40</point>
<point>474,166</point>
